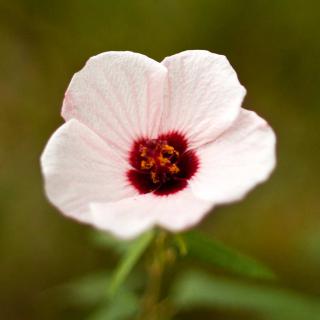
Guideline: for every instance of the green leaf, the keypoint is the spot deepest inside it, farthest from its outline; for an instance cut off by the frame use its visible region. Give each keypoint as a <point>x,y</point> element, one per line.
<point>89,292</point>
<point>128,261</point>
<point>198,290</point>
<point>181,244</point>
<point>123,306</point>
<point>86,291</point>
<point>219,255</point>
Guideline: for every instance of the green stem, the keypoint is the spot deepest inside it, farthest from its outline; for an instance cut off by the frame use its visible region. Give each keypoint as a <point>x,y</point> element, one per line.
<point>160,258</point>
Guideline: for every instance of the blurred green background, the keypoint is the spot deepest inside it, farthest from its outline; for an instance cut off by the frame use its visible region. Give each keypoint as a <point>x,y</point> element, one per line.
<point>274,47</point>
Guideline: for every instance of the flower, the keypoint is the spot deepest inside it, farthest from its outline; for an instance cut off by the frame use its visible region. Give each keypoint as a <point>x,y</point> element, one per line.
<point>148,143</point>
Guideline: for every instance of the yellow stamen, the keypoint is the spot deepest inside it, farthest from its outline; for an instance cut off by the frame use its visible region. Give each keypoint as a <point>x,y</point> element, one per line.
<point>163,161</point>
<point>159,161</point>
<point>173,169</point>
<point>168,149</point>
<point>147,164</point>
<point>154,177</point>
<point>143,152</point>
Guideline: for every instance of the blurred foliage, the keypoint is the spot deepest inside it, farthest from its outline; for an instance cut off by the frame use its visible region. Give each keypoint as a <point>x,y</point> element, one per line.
<point>202,248</point>
<point>90,294</point>
<point>131,257</point>
<point>275,50</point>
<point>196,289</point>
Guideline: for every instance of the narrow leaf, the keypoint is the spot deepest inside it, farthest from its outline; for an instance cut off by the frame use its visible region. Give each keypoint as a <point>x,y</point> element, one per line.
<point>128,261</point>
<point>197,290</point>
<point>86,291</point>
<point>219,255</point>
<point>123,306</point>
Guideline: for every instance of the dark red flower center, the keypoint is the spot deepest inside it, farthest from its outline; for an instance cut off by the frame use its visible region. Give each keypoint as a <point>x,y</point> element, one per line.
<point>162,166</point>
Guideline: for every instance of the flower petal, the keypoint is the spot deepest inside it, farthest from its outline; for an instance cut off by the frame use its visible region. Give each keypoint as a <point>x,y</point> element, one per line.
<point>129,217</point>
<point>237,161</point>
<point>204,95</point>
<point>119,95</point>
<point>80,168</point>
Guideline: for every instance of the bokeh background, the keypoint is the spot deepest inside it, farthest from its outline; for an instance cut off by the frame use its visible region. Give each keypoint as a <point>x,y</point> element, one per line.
<point>274,47</point>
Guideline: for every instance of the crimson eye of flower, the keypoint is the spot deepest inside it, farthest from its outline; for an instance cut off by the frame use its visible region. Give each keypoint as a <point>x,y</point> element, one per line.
<point>163,165</point>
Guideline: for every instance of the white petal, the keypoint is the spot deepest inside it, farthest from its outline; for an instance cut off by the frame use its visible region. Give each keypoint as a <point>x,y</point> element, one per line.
<point>204,95</point>
<point>119,95</point>
<point>80,168</point>
<point>237,161</point>
<point>129,217</point>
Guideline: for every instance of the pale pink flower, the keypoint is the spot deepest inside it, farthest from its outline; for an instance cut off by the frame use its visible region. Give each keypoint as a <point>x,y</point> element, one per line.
<point>148,143</point>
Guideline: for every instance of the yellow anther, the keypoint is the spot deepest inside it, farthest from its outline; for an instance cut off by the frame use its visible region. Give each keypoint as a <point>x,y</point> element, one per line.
<point>143,151</point>
<point>168,149</point>
<point>162,160</point>
<point>154,177</point>
<point>173,169</point>
<point>147,164</point>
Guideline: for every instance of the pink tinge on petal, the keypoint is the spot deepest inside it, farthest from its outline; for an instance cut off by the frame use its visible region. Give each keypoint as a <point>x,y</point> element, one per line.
<point>154,144</point>
<point>129,217</point>
<point>118,95</point>
<point>80,168</point>
<point>237,161</point>
<point>203,95</point>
